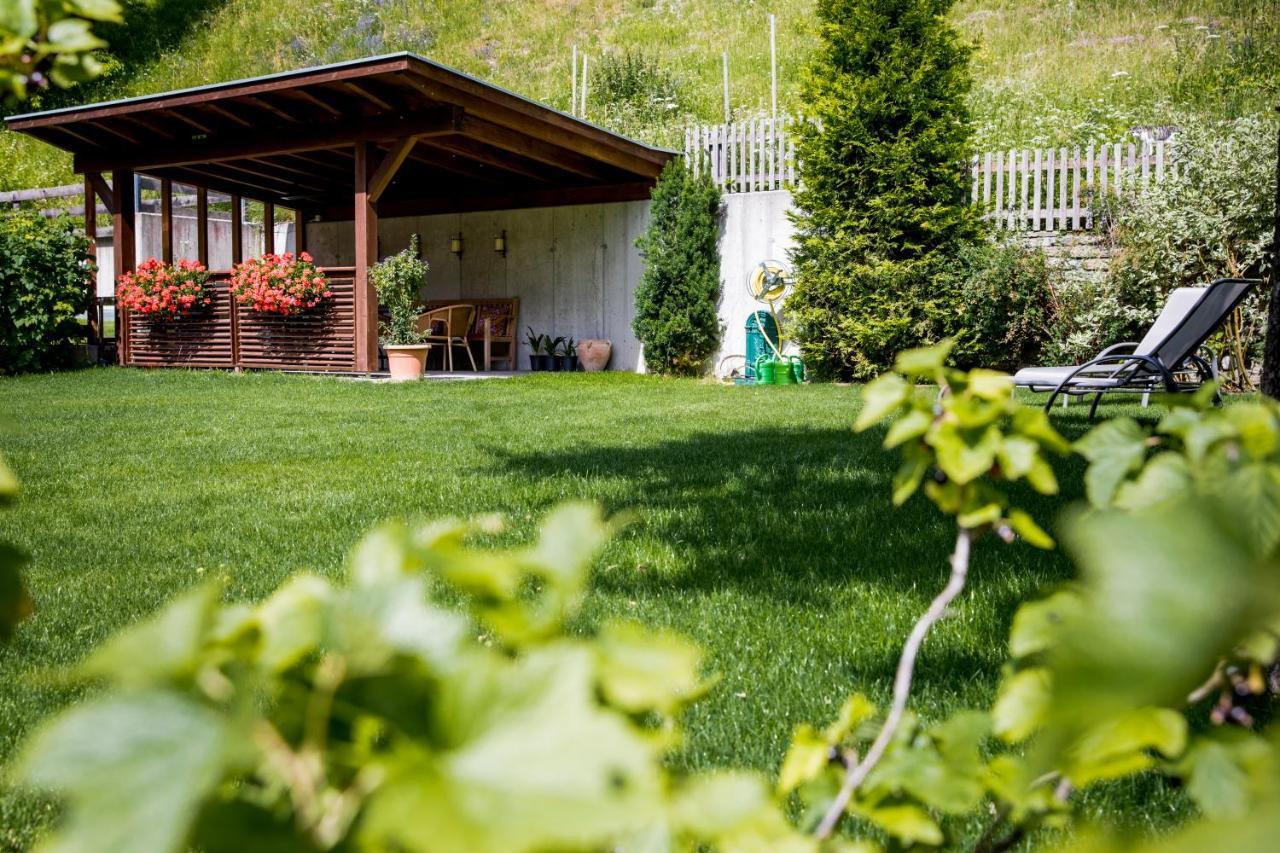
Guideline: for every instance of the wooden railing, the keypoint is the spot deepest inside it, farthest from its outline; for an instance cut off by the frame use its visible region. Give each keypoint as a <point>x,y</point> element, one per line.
<point>227,335</point>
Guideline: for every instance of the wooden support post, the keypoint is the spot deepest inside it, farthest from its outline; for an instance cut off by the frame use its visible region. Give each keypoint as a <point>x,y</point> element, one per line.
<point>124,247</point>
<point>92,331</point>
<point>237,226</point>
<point>299,231</point>
<point>202,226</point>
<point>366,225</point>
<point>268,228</point>
<point>166,220</point>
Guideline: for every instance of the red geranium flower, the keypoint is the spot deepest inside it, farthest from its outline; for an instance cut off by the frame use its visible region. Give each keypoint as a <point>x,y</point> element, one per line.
<point>159,290</point>
<point>279,284</point>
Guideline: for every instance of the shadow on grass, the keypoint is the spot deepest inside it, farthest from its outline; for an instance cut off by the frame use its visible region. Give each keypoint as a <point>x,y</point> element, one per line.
<point>790,513</point>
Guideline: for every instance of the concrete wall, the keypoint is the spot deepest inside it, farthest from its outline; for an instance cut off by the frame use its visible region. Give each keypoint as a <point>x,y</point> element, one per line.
<point>755,228</point>
<point>575,268</point>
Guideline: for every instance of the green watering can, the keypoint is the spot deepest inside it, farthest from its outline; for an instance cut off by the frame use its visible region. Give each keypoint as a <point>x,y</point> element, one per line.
<point>766,370</point>
<point>772,371</point>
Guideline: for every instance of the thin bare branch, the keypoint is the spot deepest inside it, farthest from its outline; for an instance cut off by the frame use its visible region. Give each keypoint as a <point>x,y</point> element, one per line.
<point>902,682</point>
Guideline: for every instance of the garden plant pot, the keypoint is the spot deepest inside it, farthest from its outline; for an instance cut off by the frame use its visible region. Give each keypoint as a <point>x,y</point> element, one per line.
<point>538,363</point>
<point>567,363</point>
<point>593,354</point>
<point>406,362</point>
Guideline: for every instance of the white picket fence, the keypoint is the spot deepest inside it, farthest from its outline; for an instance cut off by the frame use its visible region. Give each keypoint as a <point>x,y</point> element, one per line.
<point>1051,189</point>
<point>748,156</point>
<point>1040,189</point>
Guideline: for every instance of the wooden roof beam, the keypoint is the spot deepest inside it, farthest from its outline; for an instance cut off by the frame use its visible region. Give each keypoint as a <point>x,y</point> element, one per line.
<point>534,149</point>
<point>494,157</point>
<point>387,168</point>
<point>232,146</point>
<point>459,203</point>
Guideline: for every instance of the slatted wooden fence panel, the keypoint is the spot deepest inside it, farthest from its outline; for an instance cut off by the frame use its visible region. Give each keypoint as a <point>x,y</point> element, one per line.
<point>751,156</point>
<point>203,339</point>
<point>1050,189</point>
<point>319,340</point>
<point>1041,189</point>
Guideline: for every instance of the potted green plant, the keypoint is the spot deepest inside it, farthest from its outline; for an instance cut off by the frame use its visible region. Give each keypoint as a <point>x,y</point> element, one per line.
<point>567,357</point>
<point>399,281</point>
<point>539,351</point>
<point>552,351</point>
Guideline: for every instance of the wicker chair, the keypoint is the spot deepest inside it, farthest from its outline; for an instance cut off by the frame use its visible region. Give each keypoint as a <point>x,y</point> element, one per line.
<point>449,325</point>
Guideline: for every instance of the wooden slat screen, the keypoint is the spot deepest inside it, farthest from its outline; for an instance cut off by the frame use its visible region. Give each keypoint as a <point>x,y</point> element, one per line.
<point>320,340</point>
<point>200,340</point>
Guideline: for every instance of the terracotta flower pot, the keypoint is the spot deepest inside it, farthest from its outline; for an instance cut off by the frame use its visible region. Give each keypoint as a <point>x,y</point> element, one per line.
<point>406,362</point>
<point>593,354</point>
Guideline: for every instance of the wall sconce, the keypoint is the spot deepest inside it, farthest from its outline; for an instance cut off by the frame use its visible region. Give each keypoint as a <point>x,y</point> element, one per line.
<point>455,244</point>
<point>500,244</point>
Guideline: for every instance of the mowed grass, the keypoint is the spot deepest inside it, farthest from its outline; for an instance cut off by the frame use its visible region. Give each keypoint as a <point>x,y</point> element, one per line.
<point>762,527</point>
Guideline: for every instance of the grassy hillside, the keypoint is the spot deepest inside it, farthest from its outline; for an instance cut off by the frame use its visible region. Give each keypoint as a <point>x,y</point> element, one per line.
<point>1047,72</point>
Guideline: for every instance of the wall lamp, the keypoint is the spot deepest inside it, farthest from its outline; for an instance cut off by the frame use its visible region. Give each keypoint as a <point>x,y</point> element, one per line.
<point>455,244</point>
<point>500,244</point>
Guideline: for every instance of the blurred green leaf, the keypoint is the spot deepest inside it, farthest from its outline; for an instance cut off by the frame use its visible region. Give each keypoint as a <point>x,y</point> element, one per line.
<point>15,602</point>
<point>965,455</point>
<point>1021,705</point>
<point>19,17</point>
<point>292,622</point>
<point>1037,624</point>
<point>71,35</point>
<point>1115,449</point>
<point>162,649</point>
<point>531,762</point>
<point>925,361</point>
<point>806,757</point>
<point>133,767</point>
<point>880,398</point>
<point>1119,747</point>
<point>907,823</point>
<point>1147,633</point>
<point>645,670</point>
<point>96,10</point>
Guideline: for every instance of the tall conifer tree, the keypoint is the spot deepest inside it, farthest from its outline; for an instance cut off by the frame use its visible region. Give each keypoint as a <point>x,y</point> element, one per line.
<point>883,179</point>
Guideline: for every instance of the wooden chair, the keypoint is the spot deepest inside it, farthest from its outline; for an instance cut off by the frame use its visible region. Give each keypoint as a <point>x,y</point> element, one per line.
<point>449,325</point>
<point>494,328</point>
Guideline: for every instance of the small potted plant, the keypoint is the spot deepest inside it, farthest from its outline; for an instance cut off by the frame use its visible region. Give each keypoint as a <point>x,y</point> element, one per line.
<point>539,351</point>
<point>552,351</point>
<point>161,291</point>
<point>279,284</point>
<point>567,357</point>
<point>399,281</point>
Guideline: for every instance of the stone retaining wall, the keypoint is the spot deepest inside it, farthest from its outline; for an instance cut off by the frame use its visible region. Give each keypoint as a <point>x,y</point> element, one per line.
<point>1081,255</point>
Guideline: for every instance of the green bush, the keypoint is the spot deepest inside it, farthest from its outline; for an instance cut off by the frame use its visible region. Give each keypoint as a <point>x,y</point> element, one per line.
<point>44,275</point>
<point>882,201</point>
<point>1211,217</point>
<point>679,292</point>
<point>996,300</point>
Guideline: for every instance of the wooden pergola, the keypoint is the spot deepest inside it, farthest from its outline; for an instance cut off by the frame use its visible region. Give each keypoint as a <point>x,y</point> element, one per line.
<point>392,135</point>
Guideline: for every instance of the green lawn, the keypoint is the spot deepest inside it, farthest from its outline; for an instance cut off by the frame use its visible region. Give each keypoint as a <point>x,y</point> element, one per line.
<point>762,526</point>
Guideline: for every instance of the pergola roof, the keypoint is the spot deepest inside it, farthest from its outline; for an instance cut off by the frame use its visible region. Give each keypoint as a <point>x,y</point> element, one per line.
<point>289,139</point>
